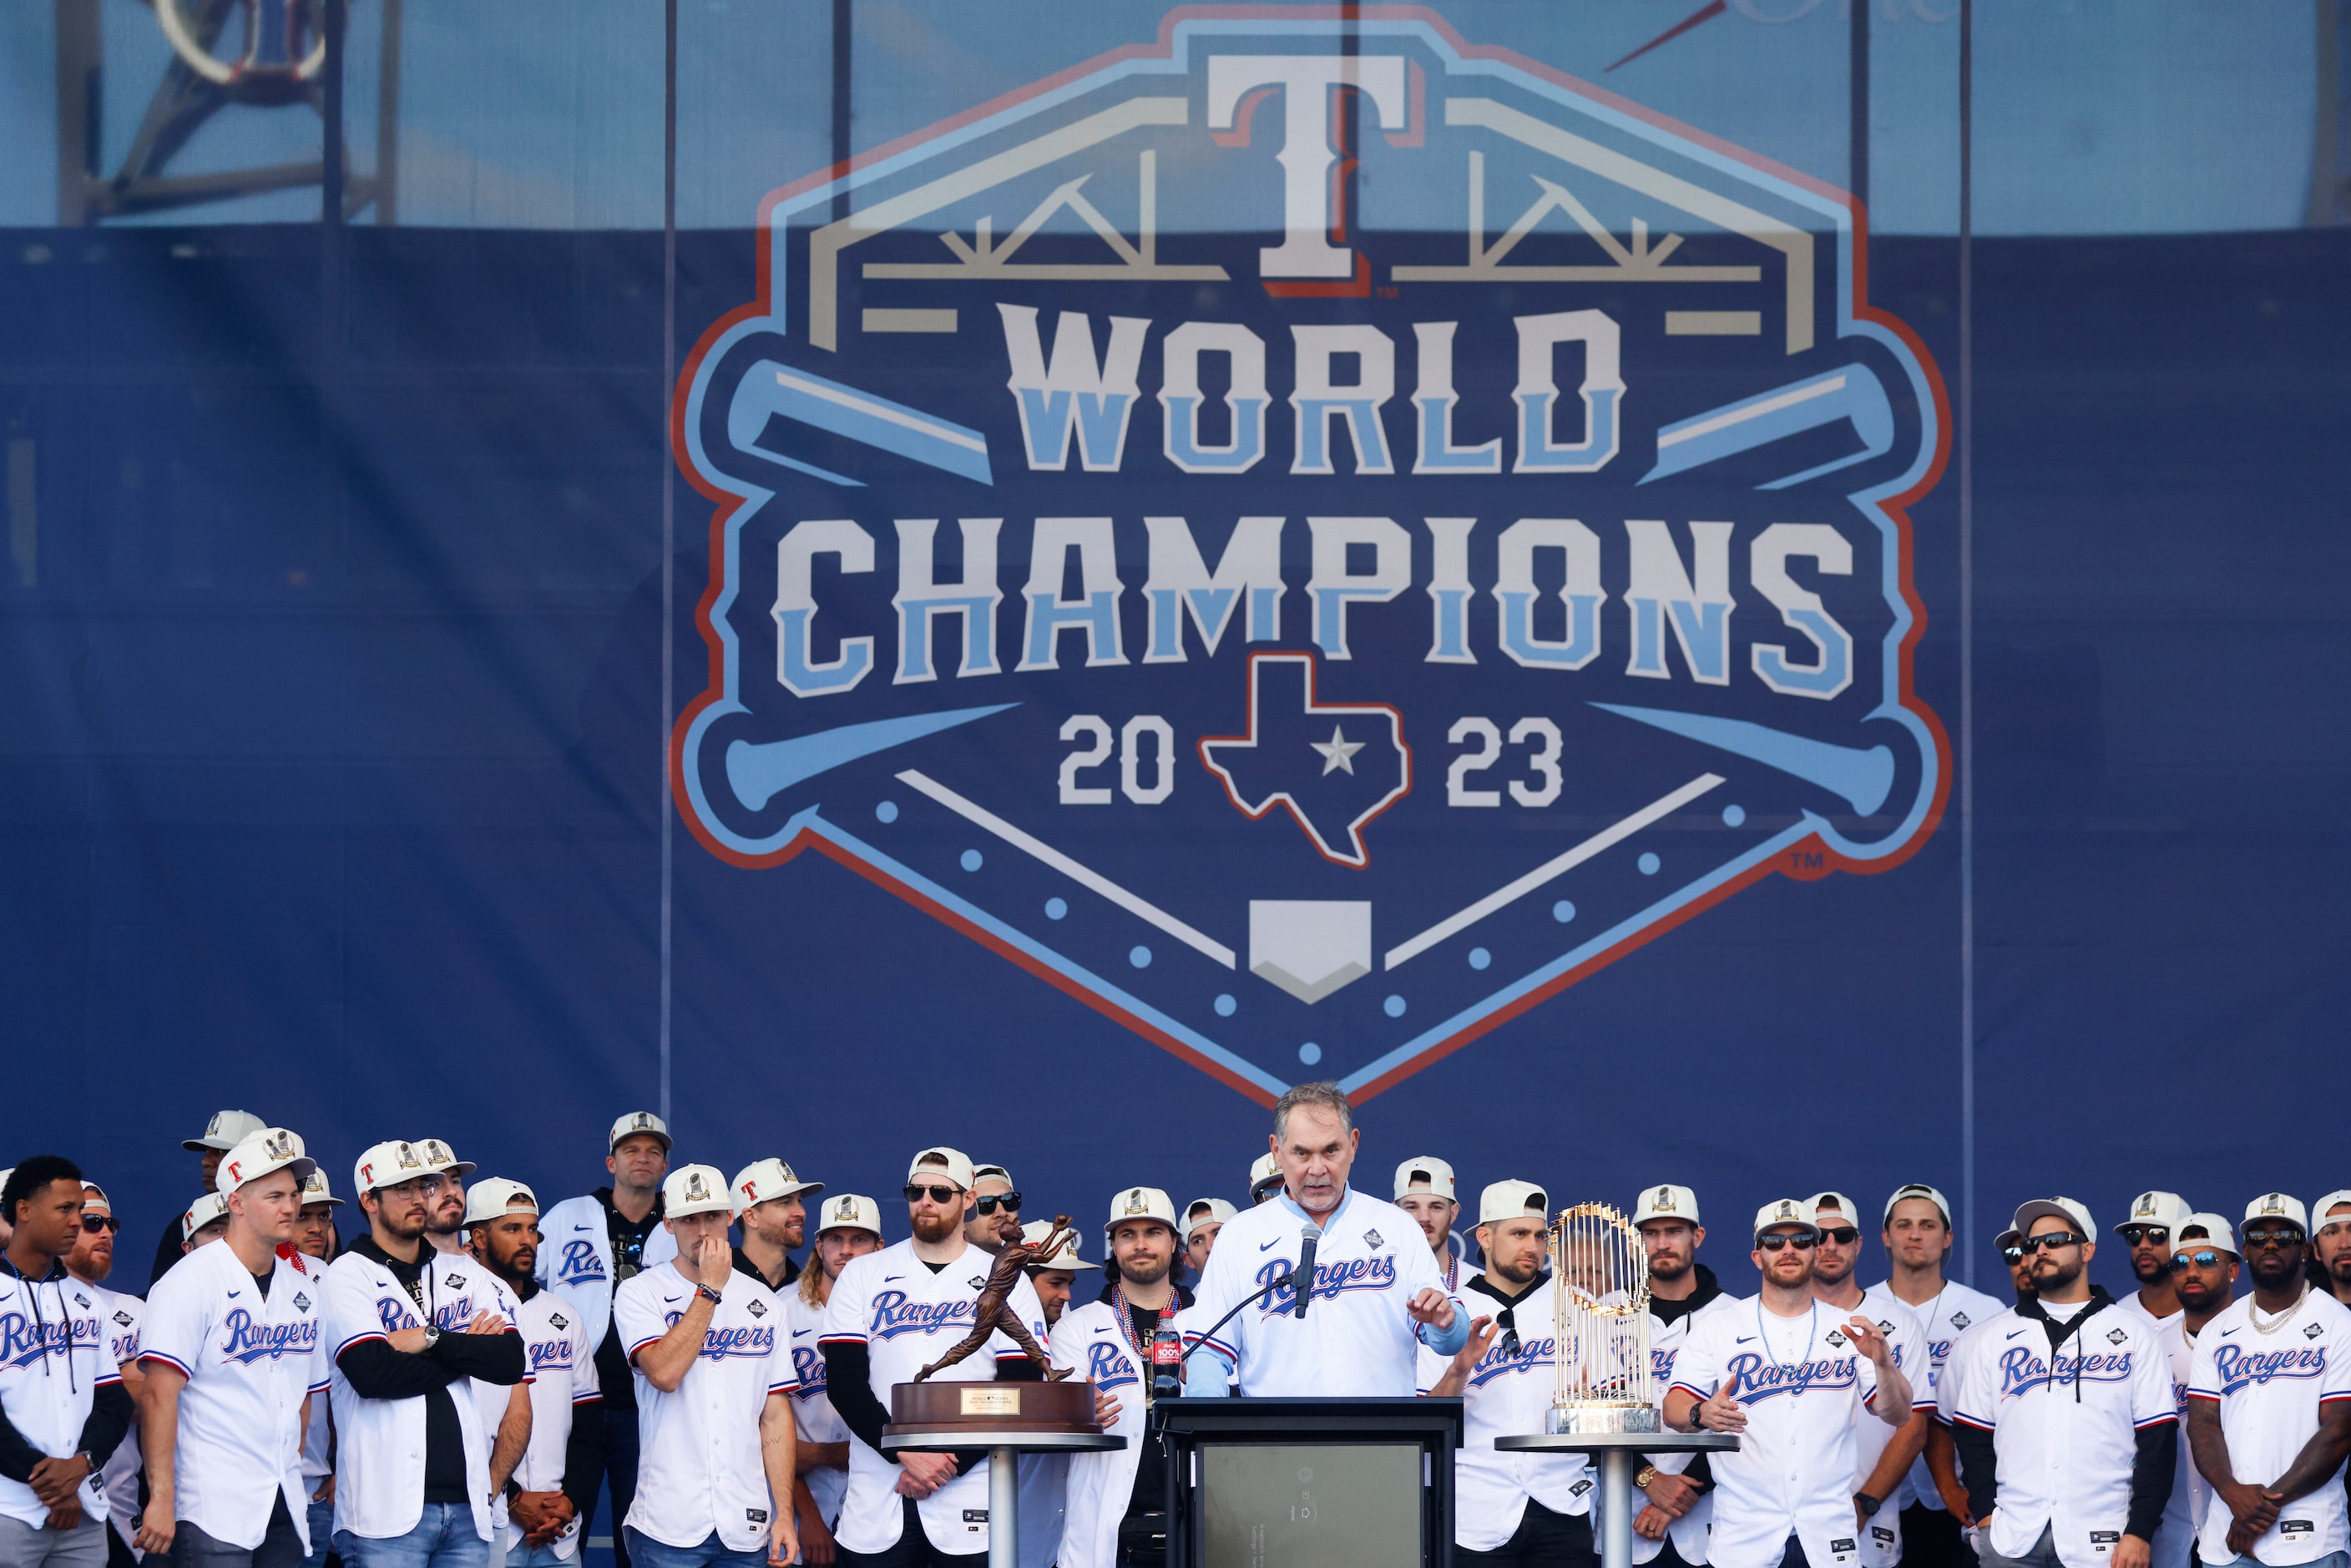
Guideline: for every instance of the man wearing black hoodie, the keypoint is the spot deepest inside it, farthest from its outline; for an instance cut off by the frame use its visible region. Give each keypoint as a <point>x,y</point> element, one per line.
<point>2063,1413</point>
<point>1676,1509</point>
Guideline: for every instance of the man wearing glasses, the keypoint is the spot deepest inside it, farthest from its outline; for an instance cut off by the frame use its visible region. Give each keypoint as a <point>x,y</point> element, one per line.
<point>2063,1413</point>
<point>1883,1456</point>
<point>2331,1244</point>
<point>1788,1375</point>
<point>2154,1219</point>
<point>995,1222</point>
<point>891,1313</point>
<point>119,1319</point>
<point>2203,1278</point>
<point>2269,1405</point>
<point>594,1242</point>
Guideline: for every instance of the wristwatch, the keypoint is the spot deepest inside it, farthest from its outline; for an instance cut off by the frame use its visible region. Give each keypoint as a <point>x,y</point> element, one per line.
<point>1868,1504</point>
<point>1648,1473</point>
<point>432,1336</point>
<point>707,1294</point>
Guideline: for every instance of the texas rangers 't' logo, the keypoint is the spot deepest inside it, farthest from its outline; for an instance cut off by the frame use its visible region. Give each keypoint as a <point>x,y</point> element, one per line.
<point>1310,543</point>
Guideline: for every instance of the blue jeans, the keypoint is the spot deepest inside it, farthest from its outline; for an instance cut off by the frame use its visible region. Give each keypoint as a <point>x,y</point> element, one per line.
<point>644,1552</point>
<point>2332,1560</point>
<point>322,1532</point>
<point>443,1538</point>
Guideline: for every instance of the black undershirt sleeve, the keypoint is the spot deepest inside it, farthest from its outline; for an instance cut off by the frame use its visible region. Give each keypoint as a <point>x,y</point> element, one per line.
<point>111,1412</point>
<point>495,1358</point>
<point>583,1456</point>
<point>1018,1368</point>
<point>1980,1467</point>
<point>2152,1472</point>
<point>849,1383</point>
<point>18,1457</point>
<point>376,1371</point>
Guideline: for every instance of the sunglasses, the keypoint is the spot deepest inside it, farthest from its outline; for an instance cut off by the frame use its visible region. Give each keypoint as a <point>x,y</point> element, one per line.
<point>941,1195</point>
<point>2012,1252</point>
<point>1507,1320</point>
<point>2155,1235</point>
<point>1773,1243</point>
<point>1842,1234</point>
<point>2053,1238</point>
<point>2180,1261</point>
<point>2275,1237</point>
<point>94,1223</point>
<point>1008,1201</point>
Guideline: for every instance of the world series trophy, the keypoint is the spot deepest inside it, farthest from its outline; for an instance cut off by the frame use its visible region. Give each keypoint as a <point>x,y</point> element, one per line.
<point>1602,1321</point>
<point>1603,1401</point>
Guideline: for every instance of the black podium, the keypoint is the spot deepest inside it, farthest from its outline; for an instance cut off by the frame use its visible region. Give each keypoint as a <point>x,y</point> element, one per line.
<point>1309,1483</point>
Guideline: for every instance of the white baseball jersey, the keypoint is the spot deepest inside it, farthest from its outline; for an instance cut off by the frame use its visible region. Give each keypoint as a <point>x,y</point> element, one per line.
<point>699,1463</point>
<point>250,1361</point>
<point>122,1319</point>
<point>2185,1512</point>
<point>52,1362</point>
<point>1506,1394</point>
<point>1881,1534</point>
<point>1800,1383</point>
<point>551,1330</point>
<point>2064,1425</point>
<point>2269,1384</point>
<point>1088,1341</point>
<point>575,1258</point>
<point>906,1316</point>
<point>379,1443</point>
<point>1357,1337</point>
<point>2131,1304</point>
<point>1955,1310</point>
<point>812,1412</point>
<point>1689,1532</point>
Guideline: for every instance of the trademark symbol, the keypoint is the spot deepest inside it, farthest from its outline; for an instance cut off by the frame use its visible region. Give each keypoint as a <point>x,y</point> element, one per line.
<point>1386,292</point>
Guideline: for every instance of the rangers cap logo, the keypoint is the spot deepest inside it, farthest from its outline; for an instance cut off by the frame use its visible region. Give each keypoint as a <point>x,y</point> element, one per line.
<point>1314,635</point>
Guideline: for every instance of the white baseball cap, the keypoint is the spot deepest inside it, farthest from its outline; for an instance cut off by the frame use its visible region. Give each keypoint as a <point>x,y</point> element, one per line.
<point>1035,1230</point>
<point>1427,1173</point>
<point>1140,1203</point>
<point>438,1156</point>
<point>316,1190</point>
<point>763,1181</point>
<point>92,1195</point>
<point>1824,1202</point>
<point>2165,1208</point>
<point>633,1123</point>
<point>489,1199</point>
<point>2071,1210</point>
<point>387,1164</point>
<point>1512,1200</point>
<point>2318,1210</point>
<point>202,1212</point>
<point>225,1131</point>
<point>849,1211</point>
<point>2279,1206</point>
<point>1666,1202</point>
<point>1786,1211</point>
<point>1918,1189</point>
<point>1264,1168</point>
<point>2217,1230</point>
<point>952,1165</point>
<point>1206,1211</point>
<point>264,1153</point>
<point>696,1189</point>
<point>980,1172</point>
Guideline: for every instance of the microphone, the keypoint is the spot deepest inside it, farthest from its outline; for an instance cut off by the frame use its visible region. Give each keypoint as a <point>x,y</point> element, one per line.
<point>1305,1270</point>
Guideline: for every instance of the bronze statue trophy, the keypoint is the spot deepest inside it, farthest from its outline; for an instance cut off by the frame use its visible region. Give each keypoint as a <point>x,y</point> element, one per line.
<point>1053,1405</point>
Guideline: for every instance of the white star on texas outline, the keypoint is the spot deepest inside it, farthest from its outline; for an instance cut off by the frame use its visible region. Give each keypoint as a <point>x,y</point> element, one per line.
<point>1338,752</point>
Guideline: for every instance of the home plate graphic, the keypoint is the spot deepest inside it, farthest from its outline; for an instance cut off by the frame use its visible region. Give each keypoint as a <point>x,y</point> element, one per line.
<point>1310,535</point>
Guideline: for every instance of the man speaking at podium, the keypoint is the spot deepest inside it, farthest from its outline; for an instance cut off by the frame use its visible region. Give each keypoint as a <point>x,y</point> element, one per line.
<point>1375,1296</point>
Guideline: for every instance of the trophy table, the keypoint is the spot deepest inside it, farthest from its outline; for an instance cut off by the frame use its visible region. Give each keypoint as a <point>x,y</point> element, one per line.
<point>1008,1419</point>
<point>1603,1406</point>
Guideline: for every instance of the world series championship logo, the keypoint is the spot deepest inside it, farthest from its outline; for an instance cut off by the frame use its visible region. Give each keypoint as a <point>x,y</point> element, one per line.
<point>1311,537</point>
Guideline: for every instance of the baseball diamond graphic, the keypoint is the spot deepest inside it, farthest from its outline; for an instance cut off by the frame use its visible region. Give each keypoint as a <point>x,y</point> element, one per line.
<point>1325,413</point>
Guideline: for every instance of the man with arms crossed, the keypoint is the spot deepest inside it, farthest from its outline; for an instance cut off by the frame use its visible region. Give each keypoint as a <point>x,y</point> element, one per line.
<point>848,1226</point>
<point>1918,1235</point>
<point>1513,1511</point>
<point>1378,1296</point>
<point>1117,1508</point>
<point>1787,1374</point>
<point>894,1312</point>
<point>234,1352</point>
<point>2064,1414</point>
<point>553,1481</point>
<point>2269,1405</point>
<point>1677,1506</point>
<point>713,1402</point>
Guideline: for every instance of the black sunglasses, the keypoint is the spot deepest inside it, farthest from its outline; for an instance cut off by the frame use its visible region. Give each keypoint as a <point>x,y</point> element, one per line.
<point>1507,1320</point>
<point>1008,1201</point>
<point>94,1223</point>
<point>1842,1234</point>
<point>2012,1252</point>
<point>2052,1239</point>
<point>2274,1236</point>
<point>2158,1235</point>
<point>2202,1259</point>
<point>938,1194</point>
<point>1774,1242</point>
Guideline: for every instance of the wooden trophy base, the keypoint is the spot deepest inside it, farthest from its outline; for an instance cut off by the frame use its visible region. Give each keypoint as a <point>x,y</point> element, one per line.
<point>992,1407</point>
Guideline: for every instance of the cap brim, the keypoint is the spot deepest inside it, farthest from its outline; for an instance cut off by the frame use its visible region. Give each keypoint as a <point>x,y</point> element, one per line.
<point>198,1146</point>
<point>805,1189</point>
